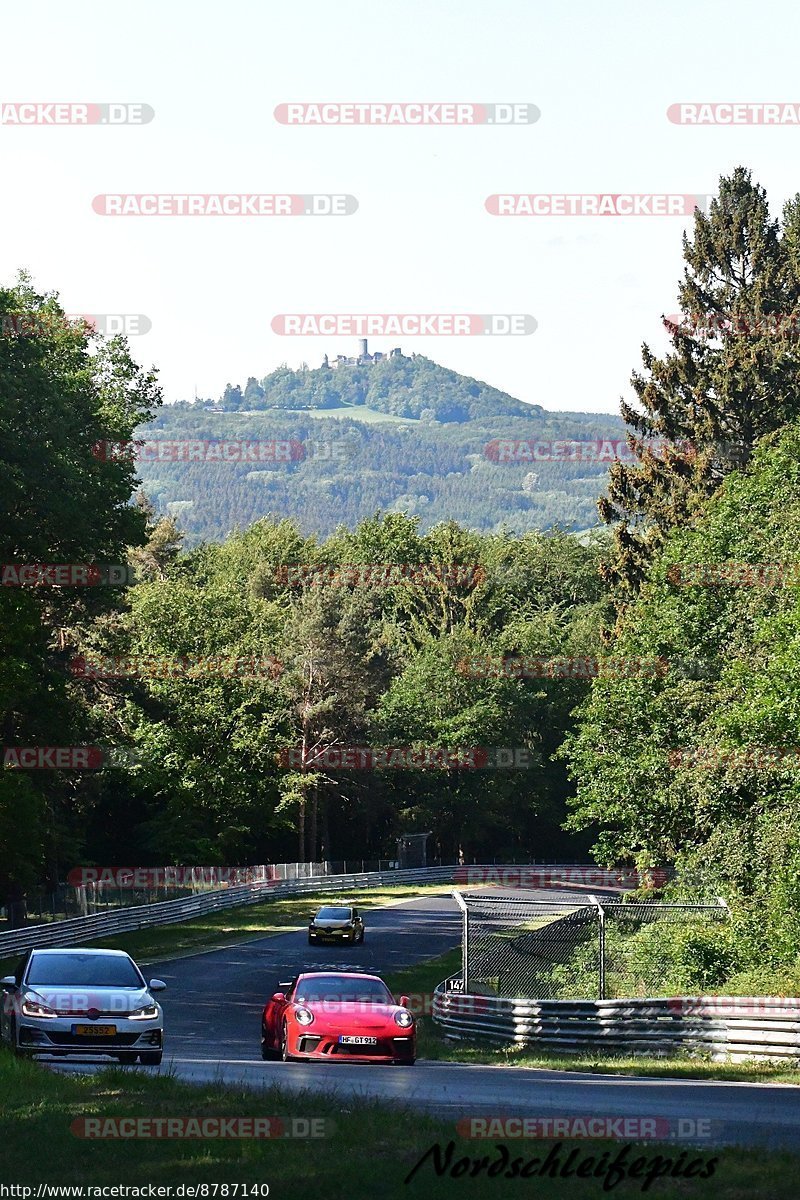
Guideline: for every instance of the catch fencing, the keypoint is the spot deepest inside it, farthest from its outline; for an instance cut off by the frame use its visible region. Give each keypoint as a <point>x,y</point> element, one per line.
<point>569,947</point>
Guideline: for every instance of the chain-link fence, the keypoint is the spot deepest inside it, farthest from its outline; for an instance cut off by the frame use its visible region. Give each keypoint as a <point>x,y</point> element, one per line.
<point>580,948</point>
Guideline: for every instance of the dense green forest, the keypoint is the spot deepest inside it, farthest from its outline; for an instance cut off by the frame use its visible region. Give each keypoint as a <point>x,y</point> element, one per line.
<point>349,468</point>
<point>248,658</point>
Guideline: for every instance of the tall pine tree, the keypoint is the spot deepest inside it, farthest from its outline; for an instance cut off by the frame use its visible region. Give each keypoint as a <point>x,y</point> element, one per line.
<point>729,378</point>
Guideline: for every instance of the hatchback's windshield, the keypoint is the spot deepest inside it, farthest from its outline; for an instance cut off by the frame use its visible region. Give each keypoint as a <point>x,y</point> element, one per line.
<point>333,914</point>
<point>84,970</point>
<point>340,987</point>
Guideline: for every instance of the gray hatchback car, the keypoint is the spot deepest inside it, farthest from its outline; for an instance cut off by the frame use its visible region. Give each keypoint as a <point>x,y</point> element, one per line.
<point>85,1002</point>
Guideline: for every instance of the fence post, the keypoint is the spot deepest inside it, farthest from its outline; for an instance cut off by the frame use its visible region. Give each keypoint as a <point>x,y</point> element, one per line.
<point>459,899</point>
<point>601,919</point>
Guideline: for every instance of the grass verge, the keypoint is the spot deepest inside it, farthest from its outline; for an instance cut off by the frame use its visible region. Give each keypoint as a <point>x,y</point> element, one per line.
<point>419,981</point>
<point>368,1154</point>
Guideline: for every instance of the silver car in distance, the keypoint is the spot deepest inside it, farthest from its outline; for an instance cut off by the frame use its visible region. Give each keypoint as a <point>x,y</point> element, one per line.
<point>82,1001</point>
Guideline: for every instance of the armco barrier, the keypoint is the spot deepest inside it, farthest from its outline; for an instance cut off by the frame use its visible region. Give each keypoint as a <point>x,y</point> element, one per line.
<point>170,912</point>
<point>719,1027</point>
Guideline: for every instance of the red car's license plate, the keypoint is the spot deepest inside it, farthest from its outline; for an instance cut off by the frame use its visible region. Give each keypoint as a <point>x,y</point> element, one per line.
<point>357,1041</point>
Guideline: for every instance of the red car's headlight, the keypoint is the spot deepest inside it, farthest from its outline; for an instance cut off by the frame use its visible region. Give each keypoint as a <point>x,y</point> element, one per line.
<point>303,1016</point>
<point>403,1018</point>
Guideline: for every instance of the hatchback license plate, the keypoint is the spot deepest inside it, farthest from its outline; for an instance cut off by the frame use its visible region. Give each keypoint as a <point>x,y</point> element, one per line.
<point>357,1041</point>
<point>94,1030</point>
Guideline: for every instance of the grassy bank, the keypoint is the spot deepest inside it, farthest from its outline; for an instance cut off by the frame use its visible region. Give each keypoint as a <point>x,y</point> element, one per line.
<point>366,1153</point>
<point>420,980</point>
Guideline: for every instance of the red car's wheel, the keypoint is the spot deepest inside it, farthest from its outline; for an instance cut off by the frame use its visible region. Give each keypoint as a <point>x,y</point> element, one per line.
<point>267,1052</point>
<point>285,1055</point>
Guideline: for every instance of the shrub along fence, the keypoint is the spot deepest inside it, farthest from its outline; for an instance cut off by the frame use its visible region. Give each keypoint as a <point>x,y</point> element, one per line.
<point>571,948</point>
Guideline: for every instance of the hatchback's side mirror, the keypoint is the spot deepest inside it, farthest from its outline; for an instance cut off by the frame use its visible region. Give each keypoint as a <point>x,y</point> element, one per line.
<point>157,985</point>
<point>8,981</point>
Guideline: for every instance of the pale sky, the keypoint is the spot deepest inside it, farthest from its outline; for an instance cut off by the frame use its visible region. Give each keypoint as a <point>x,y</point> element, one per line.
<point>603,76</point>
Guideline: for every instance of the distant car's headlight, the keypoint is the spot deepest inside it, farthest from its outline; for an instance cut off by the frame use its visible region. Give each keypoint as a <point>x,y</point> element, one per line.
<point>32,1007</point>
<point>404,1018</point>
<point>303,1016</point>
<point>148,1012</point>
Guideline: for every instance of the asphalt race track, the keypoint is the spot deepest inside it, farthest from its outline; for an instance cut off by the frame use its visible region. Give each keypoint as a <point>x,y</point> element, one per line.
<point>212,1019</point>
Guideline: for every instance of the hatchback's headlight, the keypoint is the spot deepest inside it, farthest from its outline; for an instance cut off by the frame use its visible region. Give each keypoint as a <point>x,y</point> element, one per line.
<point>403,1018</point>
<point>303,1016</point>
<point>33,1007</point>
<point>148,1012</point>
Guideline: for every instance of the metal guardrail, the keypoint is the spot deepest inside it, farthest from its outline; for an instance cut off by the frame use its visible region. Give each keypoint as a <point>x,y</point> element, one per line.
<point>720,1027</point>
<point>169,912</point>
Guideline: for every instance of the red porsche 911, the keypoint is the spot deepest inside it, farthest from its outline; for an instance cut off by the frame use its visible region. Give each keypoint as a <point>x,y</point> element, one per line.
<point>338,1017</point>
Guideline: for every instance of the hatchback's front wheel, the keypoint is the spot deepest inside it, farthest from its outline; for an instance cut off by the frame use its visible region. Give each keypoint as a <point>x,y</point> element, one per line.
<point>16,1049</point>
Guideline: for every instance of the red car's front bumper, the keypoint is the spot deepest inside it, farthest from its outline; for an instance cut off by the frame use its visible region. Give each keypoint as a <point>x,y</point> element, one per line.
<point>323,1044</point>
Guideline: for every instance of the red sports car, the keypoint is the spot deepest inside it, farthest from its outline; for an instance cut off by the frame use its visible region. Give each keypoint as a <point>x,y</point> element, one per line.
<point>343,1017</point>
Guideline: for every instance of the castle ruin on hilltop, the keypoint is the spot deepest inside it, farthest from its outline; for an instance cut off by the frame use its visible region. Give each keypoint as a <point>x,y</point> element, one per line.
<point>362,359</point>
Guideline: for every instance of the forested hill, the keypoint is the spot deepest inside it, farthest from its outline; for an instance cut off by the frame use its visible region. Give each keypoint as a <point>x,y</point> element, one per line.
<point>399,435</point>
<point>401,386</point>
